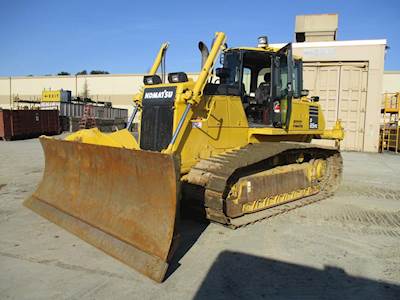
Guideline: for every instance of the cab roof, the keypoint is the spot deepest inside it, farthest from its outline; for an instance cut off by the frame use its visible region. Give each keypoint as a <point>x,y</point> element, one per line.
<point>261,49</point>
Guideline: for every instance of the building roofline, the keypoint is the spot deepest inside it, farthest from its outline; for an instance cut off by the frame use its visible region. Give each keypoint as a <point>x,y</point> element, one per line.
<point>83,76</point>
<point>335,43</point>
<point>391,72</point>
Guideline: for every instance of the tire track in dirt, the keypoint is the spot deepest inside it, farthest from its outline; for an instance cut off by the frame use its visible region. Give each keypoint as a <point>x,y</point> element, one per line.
<point>368,191</point>
<point>369,221</point>
<point>59,264</point>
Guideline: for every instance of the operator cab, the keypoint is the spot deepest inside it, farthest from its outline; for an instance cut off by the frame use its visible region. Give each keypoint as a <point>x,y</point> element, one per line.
<point>265,79</point>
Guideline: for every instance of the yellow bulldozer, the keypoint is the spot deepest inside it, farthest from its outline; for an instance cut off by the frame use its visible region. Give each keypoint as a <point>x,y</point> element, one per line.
<point>233,145</point>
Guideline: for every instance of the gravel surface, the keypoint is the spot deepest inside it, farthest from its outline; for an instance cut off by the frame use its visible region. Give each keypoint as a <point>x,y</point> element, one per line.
<point>345,247</point>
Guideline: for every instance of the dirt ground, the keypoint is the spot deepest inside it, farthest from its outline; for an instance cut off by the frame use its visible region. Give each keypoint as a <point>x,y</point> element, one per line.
<point>345,247</point>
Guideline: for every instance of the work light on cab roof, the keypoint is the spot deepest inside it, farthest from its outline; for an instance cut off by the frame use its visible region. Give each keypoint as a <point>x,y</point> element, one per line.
<point>263,41</point>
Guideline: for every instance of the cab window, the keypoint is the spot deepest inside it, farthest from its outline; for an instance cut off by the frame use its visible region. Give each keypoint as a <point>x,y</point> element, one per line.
<point>246,80</point>
<point>297,78</point>
<point>232,64</point>
<point>283,77</point>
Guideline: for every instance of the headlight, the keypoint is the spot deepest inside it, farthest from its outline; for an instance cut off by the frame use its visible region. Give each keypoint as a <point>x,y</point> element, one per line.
<point>152,79</point>
<point>177,77</point>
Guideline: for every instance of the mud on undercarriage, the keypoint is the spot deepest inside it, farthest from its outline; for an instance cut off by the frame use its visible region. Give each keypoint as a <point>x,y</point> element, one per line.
<point>230,188</point>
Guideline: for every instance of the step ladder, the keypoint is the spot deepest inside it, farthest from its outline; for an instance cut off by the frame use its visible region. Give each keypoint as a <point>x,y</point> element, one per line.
<point>390,129</point>
<point>88,118</point>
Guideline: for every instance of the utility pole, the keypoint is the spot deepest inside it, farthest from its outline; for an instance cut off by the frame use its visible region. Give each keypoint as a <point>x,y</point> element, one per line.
<point>10,94</point>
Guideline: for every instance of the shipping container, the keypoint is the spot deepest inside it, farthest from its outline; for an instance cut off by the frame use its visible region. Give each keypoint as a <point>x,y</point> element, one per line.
<point>20,124</point>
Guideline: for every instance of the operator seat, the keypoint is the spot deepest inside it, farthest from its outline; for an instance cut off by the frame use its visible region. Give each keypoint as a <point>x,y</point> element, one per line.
<point>263,90</point>
<point>263,100</point>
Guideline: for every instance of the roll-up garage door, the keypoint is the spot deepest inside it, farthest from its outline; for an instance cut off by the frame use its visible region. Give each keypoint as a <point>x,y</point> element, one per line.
<point>342,88</point>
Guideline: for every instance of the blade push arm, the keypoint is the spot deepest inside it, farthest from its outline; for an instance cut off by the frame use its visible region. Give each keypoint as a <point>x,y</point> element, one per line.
<point>159,57</point>
<point>137,98</point>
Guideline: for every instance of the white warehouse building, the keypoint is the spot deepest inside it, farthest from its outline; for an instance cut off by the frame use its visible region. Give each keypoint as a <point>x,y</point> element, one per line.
<point>348,76</point>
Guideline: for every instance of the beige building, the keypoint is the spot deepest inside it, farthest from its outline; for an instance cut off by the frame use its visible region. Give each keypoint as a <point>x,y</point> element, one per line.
<point>391,82</point>
<point>316,28</point>
<point>117,88</point>
<point>348,76</point>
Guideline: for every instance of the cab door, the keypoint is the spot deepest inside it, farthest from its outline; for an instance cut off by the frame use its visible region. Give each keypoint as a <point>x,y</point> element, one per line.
<point>282,86</point>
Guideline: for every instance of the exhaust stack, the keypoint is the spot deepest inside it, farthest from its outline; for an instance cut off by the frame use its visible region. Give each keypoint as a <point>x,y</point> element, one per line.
<point>204,53</point>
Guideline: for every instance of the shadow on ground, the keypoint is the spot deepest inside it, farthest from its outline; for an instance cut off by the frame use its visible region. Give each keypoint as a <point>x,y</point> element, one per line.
<point>237,275</point>
<point>189,232</point>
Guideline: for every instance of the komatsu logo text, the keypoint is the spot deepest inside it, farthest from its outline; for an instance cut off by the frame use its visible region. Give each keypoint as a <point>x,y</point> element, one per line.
<point>165,94</point>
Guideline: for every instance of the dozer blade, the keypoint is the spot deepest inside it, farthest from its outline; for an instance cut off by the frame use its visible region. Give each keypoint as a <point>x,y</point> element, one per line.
<point>122,201</point>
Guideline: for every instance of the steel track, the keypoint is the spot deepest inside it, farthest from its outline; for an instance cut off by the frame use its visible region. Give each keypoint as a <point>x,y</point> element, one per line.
<point>214,173</point>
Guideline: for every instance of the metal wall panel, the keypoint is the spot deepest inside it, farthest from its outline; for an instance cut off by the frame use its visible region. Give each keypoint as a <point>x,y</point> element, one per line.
<point>342,88</point>
<point>352,103</point>
<point>323,81</point>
